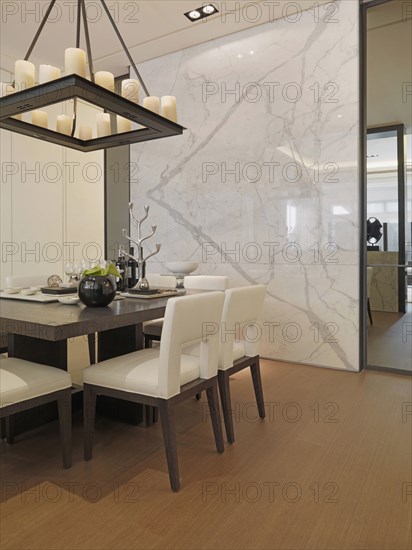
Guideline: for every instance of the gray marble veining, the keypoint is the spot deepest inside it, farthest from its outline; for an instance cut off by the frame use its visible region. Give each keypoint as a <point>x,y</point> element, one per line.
<point>263,187</point>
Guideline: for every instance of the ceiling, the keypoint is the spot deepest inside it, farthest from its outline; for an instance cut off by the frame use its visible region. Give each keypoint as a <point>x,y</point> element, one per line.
<point>150,28</point>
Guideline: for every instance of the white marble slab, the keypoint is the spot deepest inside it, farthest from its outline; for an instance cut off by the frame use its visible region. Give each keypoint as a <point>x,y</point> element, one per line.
<point>261,187</point>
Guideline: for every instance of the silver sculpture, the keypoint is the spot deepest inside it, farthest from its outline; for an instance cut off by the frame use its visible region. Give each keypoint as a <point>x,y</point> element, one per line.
<point>142,282</point>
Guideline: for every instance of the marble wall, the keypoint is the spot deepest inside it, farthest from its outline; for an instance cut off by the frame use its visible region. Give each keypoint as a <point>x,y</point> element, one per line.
<point>263,186</point>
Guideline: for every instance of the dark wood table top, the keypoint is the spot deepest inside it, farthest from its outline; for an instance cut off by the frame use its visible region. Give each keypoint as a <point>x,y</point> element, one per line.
<point>55,321</point>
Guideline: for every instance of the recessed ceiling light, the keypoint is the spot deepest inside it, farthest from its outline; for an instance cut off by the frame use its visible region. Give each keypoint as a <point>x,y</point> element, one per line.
<point>339,116</point>
<point>208,10</point>
<point>200,13</point>
<point>239,55</point>
<point>251,52</point>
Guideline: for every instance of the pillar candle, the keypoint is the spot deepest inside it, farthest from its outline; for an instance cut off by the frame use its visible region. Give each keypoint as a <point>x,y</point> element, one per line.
<point>64,124</point>
<point>169,107</point>
<point>103,124</point>
<point>48,73</point>
<point>85,133</point>
<point>123,125</point>
<point>130,89</point>
<point>75,61</point>
<point>105,80</point>
<point>40,118</point>
<point>152,103</point>
<point>6,89</point>
<point>24,75</point>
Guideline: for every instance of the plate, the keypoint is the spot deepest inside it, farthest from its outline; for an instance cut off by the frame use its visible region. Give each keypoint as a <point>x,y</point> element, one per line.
<point>59,290</point>
<point>12,290</point>
<point>29,291</point>
<point>69,300</point>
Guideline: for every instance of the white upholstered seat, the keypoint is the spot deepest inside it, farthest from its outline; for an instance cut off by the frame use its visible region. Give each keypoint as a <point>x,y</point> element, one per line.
<point>165,377</point>
<point>24,385</point>
<point>22,380</point>
<point>138,372</point>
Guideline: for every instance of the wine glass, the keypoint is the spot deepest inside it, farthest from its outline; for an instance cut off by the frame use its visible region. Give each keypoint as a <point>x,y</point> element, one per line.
<point>69,270</point>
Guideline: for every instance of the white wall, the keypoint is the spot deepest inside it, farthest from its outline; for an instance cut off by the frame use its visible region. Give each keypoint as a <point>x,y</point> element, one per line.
<point>226,221</point>
<point>52,202</point>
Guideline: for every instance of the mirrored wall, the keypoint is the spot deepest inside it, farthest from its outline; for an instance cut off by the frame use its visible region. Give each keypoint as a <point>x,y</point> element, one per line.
<point>388,185</point>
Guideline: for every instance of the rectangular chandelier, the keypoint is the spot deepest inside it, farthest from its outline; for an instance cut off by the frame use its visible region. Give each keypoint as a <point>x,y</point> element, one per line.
<point>120,120</point>
<point>151,124</point>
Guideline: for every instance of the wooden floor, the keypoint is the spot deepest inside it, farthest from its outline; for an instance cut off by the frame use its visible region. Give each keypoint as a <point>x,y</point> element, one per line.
<point>330,467</point>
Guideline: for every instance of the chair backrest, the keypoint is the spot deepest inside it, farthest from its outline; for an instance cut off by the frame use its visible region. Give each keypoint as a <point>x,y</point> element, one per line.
<point>369,274</point>
<point>157,280</point>
<point>242,312</point>
<point>206,282</point>
<point>26,280</point>
<point>189,320</point>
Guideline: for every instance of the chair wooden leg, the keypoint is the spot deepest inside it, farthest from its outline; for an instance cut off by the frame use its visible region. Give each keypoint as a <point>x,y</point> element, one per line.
<point>65,423</point>
<point>9,429</point>
<point>370,312</point>
<point>167,419</point>
<point>257,386</point>
<point>151,415</point>
<point>224,390</point>
<point>148,342</point>
<point>89,413</point>
<point>91,338</point>
<point>213,401</point>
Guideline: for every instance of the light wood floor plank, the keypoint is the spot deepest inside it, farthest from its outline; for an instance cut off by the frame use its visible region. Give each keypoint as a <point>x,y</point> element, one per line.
<point>328,435</point>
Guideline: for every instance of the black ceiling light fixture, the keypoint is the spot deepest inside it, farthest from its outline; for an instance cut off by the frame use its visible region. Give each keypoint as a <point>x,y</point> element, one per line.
<point>201,13</point>
<point>148,122</point>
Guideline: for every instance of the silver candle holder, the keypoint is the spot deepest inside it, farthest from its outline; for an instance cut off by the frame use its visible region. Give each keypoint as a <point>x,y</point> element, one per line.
<point>142,282</point>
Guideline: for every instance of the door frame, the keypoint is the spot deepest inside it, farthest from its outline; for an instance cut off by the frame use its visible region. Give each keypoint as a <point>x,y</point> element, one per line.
<point>363,322</point>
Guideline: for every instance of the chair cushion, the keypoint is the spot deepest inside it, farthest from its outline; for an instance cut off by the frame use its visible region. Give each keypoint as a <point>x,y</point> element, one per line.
<point>239,350</point>
<point>137,372</point>
<point>153,328</point>
<point>22,380</point>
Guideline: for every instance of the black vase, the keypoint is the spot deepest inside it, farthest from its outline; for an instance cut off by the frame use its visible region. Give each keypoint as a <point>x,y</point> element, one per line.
<point>96,291</point>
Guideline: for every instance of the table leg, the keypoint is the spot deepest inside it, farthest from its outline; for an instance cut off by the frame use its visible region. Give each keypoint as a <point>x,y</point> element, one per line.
<point>114,343</point>
<point>45,352</point>
<point>119,341</point>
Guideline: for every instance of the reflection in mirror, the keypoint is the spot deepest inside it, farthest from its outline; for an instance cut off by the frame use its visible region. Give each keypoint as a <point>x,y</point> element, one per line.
<point>389,187</point>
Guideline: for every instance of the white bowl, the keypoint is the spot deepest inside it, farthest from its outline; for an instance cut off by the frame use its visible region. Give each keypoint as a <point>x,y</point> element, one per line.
<point>69,300</point>
<point>181,268</point>
<point>12,290</point>
<point>29,291</point>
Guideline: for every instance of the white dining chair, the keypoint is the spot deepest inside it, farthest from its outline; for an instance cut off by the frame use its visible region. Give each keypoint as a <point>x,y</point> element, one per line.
<point>25,385</point>
<point>165,376</point>
<point>242,312</point>
<point>240,334</point>
<point>25,280</point>
<point>152,330</point>
<point>206,282</point>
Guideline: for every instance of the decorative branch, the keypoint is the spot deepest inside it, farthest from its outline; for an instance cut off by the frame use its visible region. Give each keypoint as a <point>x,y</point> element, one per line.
<point>142,282</point>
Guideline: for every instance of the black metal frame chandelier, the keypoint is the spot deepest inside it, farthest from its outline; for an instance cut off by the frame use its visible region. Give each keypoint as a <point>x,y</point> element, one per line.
<point>74,87</point>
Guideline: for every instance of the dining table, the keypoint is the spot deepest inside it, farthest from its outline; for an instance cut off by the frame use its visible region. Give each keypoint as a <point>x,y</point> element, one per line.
<point>39,332</point>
